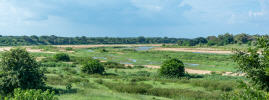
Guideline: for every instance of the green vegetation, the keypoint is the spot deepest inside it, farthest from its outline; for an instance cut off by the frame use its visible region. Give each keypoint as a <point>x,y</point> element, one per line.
<point>20,70</point>
<point>93,67</point>
<point>219,40</point>
<point>32,94</point>
<point>124,73</point>
<point>62,57</point>
<point>172,68</point>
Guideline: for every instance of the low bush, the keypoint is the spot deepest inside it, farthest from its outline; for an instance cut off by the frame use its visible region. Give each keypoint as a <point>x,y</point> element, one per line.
<point>111,64</point>
<point>172,68</point>
<point>61,57</point>
<point>93,67</point>
<point>32,94</point>
<point>246,93</point>
<point>139,66</point>
<point>68,48</point>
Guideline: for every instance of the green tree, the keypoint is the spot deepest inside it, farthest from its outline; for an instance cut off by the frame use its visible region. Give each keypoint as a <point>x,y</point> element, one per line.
<point>20,70</point>
<point>255,63</point>
<point>93,67</point>
<point>172,68</point>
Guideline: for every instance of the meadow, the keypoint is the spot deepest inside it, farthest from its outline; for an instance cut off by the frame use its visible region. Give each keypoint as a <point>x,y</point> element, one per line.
<point>127,76</point>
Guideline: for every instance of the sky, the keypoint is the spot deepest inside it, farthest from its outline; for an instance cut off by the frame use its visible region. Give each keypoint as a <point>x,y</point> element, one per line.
<point>132,18</point>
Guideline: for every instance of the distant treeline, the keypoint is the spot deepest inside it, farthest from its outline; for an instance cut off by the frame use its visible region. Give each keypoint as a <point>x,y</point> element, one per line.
<point>223,39</point>
<point>55,40</point>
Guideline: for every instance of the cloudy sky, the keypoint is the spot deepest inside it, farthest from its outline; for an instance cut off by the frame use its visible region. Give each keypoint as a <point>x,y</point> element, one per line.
<point>129,18</point>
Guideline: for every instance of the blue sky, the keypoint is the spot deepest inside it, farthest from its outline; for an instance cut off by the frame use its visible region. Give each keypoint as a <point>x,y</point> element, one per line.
<point>130,18</point>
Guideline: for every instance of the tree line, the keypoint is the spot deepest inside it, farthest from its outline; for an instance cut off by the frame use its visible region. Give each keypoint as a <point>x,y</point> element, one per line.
<point>55,40</point>
<point>219,40</point>
<point>223,39</point>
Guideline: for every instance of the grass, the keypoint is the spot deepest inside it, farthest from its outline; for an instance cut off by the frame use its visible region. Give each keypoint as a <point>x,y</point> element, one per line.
<point>211,62</point>
<point>137,83</point>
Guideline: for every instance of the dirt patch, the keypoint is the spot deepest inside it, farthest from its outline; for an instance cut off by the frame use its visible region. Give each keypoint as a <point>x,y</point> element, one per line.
<point>196,50</point>
<point>195,71</point>
<point>27,48</point>
<point>106,45</point>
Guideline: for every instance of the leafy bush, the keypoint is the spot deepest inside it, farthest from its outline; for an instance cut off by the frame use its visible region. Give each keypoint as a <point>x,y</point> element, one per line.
<point>61,57</point>
<point>93,67</point>
<point>172,68</point>
<point>110,64</point>
<point>32,94</point>
<point>139,66</point>
<point>68,48</point>
<point>254,63</point>
<point>20,70</point>
<point>247,93</point>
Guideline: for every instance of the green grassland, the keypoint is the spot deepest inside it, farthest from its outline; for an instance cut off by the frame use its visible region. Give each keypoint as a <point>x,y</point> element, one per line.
<point>138,83</point>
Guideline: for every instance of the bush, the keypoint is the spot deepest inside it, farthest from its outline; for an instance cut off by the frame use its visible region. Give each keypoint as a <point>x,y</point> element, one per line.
<point>172,68</point>
<point>247,93</point>
<point>20,70</point>
<point>93,67</point>
<point>62,57</point>
<point>32,94</point>
<point>110,64</point>
<point>139,66</point>
<point>68,48</point>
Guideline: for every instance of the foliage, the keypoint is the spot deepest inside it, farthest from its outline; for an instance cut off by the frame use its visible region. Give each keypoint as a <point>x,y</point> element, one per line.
<point>111,64</point>
<point>247,93</point>
<point>68,86</point>
<point>61,57</point>
<point>254,63</point>
<point>20,70</point>
<point>68,48</point>
<point>32,94</point>
<point>172,68</point>
<point>93,67</point>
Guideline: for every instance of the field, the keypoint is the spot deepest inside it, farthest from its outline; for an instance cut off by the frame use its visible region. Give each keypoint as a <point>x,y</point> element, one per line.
<point>210,73</point>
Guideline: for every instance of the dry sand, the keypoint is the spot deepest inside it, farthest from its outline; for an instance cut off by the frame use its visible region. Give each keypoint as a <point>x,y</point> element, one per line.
<point>27,48</point>
<point>195,71</point>
<point>197,50</point>
<point>106,45</point>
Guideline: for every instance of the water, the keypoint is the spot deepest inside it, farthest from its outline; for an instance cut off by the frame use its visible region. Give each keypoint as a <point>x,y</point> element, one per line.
<point>99,57</point>
<point>125,63</point>
<point>192,64</point>
<point>133,60</point>
<point>145,48</point>
<point>90,51</point>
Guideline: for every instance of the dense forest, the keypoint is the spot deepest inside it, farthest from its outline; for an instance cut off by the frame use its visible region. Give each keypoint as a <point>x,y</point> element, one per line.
<point>55,40</point>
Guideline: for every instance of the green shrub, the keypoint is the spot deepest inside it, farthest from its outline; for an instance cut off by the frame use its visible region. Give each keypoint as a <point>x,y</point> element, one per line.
<point>32,94</point>
<point>111,64</point>
<point>68,48</point>
<point>61,57</point>
<point>172,68</point>
<point>20,70</point>
<point>93,67</point>
<point>139,66</point>
<point>68,86</point>
<point>247,93</point>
